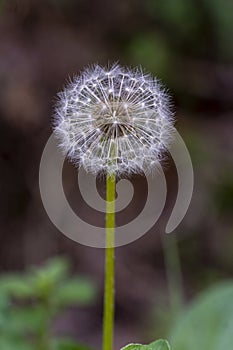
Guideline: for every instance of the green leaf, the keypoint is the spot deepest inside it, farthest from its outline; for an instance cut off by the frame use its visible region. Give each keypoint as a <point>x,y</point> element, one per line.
<point>67,344</point>
<point>15,286</point>
<point>56,269</point>
<point>207,323</point>
<point>46,278</point>
<point>22,321</point>
<point>225,339</point>
<point>13,344</point>
<point>27,319</point>
<point>38,282</point>
<point>76,290</point>
<point>4,301</point>
<point>156,345</point>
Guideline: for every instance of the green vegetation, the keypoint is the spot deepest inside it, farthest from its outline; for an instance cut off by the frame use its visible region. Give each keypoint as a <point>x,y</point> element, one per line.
<point>30,302</point>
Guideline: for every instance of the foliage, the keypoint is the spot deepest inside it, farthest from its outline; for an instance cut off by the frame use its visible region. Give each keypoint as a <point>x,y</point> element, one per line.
<point>180,41</point>
<point>29,303</point>
<point>67,344</point>
<point>207,323</point>
<point>156,345</point>
<point>184,22</point>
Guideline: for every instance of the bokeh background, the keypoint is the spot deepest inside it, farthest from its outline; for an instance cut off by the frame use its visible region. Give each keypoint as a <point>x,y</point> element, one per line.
<point>188,45</point>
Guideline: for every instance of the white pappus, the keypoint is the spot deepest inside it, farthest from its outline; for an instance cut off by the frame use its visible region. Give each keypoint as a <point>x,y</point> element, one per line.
<point>114,120</point>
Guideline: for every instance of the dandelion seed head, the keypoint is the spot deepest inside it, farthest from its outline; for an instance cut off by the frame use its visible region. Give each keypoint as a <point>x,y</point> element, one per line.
<point>114,120</point>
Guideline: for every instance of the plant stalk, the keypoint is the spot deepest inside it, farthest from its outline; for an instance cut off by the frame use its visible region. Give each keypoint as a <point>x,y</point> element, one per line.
<point>173,271</point>
<point>108,321</point>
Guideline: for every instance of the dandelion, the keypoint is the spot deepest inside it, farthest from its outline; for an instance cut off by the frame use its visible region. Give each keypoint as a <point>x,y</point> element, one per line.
<point>115,120</point>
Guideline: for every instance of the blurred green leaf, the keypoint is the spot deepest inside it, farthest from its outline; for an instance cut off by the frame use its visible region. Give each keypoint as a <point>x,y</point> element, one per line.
<point>27,320</point>
<point>56,269</point>
<point>177,13</point>
<point>226,338</point>
<point>30,301</point>
<point>151,51</point>
<point>157,345</point>
<point>76,290</point>
<point>66,344</point>
<point>205,324</point>
<point>184,23</point>
<point>46,278</point>
<point>13,344</point>
<point>16,286</point>
<point>4,300</point>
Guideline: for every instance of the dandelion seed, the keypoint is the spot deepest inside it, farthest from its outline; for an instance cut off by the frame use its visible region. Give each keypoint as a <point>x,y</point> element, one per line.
<point>115,120</point>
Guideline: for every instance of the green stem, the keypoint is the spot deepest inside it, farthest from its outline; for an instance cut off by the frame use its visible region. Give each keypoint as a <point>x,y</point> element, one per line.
<point>44,339</point>
<point>173,271</point>
<point>108,321</point>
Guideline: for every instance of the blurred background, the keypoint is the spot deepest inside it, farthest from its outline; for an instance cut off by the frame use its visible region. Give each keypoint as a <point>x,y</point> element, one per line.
<point>188,45</point>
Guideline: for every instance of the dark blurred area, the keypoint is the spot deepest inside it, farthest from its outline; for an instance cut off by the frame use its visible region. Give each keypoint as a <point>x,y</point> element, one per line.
<point>185,43</point>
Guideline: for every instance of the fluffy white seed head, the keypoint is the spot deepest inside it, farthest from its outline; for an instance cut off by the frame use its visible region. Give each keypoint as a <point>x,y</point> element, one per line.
<point>114,120</point>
